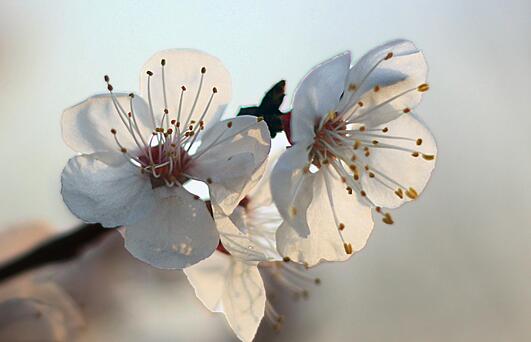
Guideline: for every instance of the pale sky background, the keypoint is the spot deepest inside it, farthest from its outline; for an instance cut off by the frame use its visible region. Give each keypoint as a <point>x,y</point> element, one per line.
<point>457,263</point>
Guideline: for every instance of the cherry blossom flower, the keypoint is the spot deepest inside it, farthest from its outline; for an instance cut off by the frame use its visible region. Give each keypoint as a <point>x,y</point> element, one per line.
<point>356,145</point>
<point>138,151</point>
<point>230,280</point>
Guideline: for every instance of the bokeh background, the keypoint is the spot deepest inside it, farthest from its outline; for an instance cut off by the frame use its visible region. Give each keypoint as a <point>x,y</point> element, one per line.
<point>456,266</point>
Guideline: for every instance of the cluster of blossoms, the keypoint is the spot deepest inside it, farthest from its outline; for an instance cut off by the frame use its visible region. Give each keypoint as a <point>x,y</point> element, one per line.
<point>356,146</point>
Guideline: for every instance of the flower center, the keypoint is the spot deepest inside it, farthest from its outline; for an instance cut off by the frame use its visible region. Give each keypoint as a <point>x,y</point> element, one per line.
<point>326,137</point>
<point>168,164</point>
<point>164,156</point>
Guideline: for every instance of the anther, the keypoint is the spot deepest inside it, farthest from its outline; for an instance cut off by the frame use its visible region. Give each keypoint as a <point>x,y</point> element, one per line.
<point>317,281</point>
<point>406,110</point>
<point>229,124</point>
<point>163,62</point>
<point>387,219</point>
<point>214,90</point>
<point>423,87</point>
<point>411,193</point>
<point>348,248</point>
<point>106,78</point>
<point>375,142</point>
<point>371,174</point>
<point>428,156</point>
<point>352,87</point>
<point>113,131</point>
<point>123,150</point>
<point>109,87</point>
<point>360,104</point>
<point>399,193</point>
<point>286,259</point>
<point>349,190</point>
<point>183,88</point>
<point>385,130</point>
<point>149,73</point>
<point>293,211</point>
<point>363,193</point>
<point>166,111</point>
<point>362,129</point>
<point>341,226</point>
<point>203,70</point>
<point>131,95</point>
<point>415,154</point>
<point>209,180</point>
<point>173,121</point>
<point>419,141</point>
<point>357,144</point>
<point>389,55</point>
<point>196,197</point>
<point>376,88</point>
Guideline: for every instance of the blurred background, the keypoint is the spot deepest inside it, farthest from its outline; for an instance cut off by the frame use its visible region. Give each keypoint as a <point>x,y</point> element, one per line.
<point>456,266</point>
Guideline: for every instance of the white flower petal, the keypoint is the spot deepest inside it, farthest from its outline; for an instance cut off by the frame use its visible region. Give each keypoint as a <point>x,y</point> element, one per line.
<point>401,166</point>
<point>324,241</point>
<point>112,196</point>
<point>230,159</point>
<point>247,239</point>
<point>183,68</point>
<point>110,158</point>
<point>87,126</point>
<point>179,231</point>
<point>260,195</point>
<point>317,94</point>
<point>291,187</point>
<point>227,285</point>
<point>385,80</point>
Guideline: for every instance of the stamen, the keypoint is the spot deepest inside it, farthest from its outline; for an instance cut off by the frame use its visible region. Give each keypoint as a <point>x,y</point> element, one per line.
<point>163,63</point>
<point>195,129</point>
<point>203,71</point>
<point>387,219</point>
<point>149,73</point>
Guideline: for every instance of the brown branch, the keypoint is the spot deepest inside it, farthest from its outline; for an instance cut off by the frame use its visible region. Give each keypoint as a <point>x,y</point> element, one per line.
<point>58,249</point>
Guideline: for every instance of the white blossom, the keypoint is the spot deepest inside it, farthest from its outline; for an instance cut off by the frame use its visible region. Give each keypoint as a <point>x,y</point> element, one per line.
<point>357,145</point>
<point>138,151</point>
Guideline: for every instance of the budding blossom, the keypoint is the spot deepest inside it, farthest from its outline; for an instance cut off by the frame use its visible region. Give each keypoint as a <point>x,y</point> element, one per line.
<point>357,145</point>
<point>138,151</point>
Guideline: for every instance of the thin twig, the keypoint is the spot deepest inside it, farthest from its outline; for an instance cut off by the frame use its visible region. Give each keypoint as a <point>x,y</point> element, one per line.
<point>58,249</point>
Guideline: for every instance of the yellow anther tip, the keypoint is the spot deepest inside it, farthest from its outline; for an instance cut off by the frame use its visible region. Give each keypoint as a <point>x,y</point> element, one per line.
<point>423,87</point>
<point>293,211</point>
